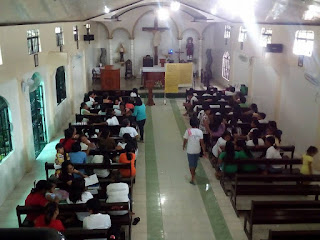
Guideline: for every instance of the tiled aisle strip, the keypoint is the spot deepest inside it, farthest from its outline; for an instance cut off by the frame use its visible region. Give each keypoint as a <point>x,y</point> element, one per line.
<point>154,210</point>
<point>218,224</point>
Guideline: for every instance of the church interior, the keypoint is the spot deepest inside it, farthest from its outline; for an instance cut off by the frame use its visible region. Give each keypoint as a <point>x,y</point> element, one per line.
<point>165,112</point>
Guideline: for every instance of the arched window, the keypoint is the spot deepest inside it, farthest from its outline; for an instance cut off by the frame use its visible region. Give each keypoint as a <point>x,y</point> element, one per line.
<point>61,84</point>
<point>303,43</point>
<point>266,36</point>
<point>226,66</point>
<point>5,130</point>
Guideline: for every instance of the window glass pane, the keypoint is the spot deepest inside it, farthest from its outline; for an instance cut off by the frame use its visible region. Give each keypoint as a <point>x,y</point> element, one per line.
<point>5,130</point>
<point>304,43</point>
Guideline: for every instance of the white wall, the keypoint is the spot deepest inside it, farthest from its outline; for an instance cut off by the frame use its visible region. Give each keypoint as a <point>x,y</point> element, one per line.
<point>18,66</point>
<point>275,81</point>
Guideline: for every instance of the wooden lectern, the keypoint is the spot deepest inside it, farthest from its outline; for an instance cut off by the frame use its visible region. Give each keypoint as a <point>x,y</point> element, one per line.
<point>150,85</point>
<point>110,78</point>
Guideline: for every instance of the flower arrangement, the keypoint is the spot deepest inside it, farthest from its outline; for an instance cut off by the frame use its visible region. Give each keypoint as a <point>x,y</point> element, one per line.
<point>158,85</point>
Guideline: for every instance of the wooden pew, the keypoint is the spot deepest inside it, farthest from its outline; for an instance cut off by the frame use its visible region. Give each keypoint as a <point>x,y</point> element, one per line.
<point>240,162</point>
<point>114,130</point>
<point>103,182</point>
<point>246,185</point>
<point>122,220</point>
<point>294,235</point>
<point>281,212</point>
<point>97,118</point>
<point>116,93</point>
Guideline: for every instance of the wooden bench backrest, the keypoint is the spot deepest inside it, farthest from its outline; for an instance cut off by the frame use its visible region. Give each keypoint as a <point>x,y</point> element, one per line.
<point>70,208</point>
<point>294,235</point>
<point>276,178</point>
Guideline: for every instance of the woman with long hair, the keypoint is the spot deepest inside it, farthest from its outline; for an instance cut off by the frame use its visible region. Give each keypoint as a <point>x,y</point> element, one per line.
<point>128,156</point>
<point>228,154</point>
<point>244,153</point>
<point>49,218</point>
<point>67,177</point>
<point>78,195</point>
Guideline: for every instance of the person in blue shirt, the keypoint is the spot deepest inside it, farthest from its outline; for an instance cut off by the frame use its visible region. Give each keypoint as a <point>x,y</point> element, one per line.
<point>77,156</point>
<point>140,114</point>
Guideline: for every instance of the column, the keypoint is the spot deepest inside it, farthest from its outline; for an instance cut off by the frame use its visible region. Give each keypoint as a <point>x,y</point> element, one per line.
<point>200,56</point>
<point>132,54</point>
<point>110,51</point>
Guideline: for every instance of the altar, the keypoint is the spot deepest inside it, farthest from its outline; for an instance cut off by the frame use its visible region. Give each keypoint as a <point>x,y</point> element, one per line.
<point>153,74</point>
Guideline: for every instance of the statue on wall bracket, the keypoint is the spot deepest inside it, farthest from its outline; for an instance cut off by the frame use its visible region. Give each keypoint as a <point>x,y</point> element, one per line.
<point>190,49</point>
<point>121,51</point>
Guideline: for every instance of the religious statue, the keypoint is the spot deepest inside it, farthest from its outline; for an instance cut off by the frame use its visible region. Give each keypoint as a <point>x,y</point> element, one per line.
<point>103,61</point>
<point>121,51</point>
<point>208,67</point>
<point>189,48</point>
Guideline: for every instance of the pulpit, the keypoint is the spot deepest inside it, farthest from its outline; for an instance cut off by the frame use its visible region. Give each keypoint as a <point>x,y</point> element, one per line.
<point>110,78</point>
<point>150,85</point>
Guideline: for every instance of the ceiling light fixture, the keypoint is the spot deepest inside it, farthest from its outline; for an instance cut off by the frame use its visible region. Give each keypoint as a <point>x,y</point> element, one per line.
<point>175,6</point>
<point>106,9</point>
<point>163,14</point>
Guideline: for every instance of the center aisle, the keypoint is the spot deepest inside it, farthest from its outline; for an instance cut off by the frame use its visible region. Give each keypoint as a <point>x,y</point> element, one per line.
<point>184,215</point>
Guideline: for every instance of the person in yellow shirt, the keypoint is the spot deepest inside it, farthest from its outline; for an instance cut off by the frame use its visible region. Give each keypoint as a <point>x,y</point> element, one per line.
<point>307,160</point>
<point>61,156</point>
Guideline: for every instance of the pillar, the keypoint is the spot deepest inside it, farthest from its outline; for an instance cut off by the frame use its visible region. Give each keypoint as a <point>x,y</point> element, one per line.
<point>200,55</point>
<point>110,51</point>
<point>132,54</point>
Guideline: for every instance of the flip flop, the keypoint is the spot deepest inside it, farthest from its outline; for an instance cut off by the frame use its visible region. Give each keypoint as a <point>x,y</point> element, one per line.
<point>135,221</point>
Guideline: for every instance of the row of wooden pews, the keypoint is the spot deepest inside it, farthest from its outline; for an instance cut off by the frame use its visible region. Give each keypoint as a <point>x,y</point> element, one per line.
<point>117,221</point>
<point>288,183</point>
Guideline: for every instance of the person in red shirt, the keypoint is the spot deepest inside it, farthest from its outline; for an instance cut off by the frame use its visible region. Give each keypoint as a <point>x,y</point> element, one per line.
<point>49,218</point>
<point>37,198</point>
<point>68,140</point>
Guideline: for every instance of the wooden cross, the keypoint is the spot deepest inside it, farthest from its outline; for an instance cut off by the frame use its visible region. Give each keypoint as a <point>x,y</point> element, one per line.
<point>179,53</point>
<point>155,29</point>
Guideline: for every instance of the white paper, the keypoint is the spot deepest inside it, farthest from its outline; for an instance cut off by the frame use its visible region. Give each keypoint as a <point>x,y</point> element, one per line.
<point>91,180</point>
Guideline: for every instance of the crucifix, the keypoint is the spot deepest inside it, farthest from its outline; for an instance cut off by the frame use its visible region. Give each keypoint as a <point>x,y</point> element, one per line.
<point>156,30</point>
<point>179,53</point>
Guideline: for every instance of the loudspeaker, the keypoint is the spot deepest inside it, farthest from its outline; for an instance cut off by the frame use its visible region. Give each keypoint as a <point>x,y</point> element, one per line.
<point>89,37</point>
<point>274,48</point>
<point>147,61</point>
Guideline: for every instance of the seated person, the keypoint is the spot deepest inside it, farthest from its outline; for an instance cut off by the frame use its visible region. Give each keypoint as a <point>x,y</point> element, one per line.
<point>273,131</point>
<point>128,129</point>
<point>218,127</point>
<point>190,101</point>
<point>127,139</point>
<point>253,110</point>
<point>106,98</point>
<point>49,218</point>
<point>130,104</point>
<point>85,110</point>
<point>134,93</point>
<point>208,93</point>
<point>255,141</point>
<point>106,142</point>
<point>261,117</point>
<point>37,197</point>
<point>124,111</point>
<point>91,133</point>
<point>230,91</point>
<point>128,157</point>
<point>244,153</point>
<point>67,175</point>
<point>112,119</point>
<point>254,126</point>
<point>85,144</point>
<point>90,101</point>
<point>96,220</point>
<point>221,143</point>
<point>243,102</point>
<point>118,192</point>
<point>70,136</point>
<point>78,195</point>
<point>228,154</point>
<point>103,158</point>
<point>273,153</point>
<point>77,156</point>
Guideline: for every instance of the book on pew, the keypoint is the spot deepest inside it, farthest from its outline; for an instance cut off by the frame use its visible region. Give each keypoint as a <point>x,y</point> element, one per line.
<point>91,180</point>
<point>56,166</point>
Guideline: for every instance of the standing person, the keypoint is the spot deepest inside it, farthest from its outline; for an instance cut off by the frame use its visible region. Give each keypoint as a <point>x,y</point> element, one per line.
<point>307,160</point>
<point>204,124</point>
<point>140,114</point>
<point>193,138</point>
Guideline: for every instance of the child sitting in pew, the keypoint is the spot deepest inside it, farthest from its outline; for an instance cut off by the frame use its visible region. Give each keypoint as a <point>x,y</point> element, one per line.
<point>272,153</point>
<point>49,218</point>
<point>261,117</point>
<point>307,160</point>
<point>61,156</point>
<point>221,143</point>
<point>85,144</point>
<point>96,220</point>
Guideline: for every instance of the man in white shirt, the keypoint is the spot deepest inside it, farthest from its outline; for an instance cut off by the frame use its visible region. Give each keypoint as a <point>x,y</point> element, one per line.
<point>118,192</point>
<point>127,129</point>
<point>193,138</point>
<point>96,220</point>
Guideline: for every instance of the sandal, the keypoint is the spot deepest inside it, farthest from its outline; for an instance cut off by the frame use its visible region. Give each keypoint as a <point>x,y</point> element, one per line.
<point>135,221</point>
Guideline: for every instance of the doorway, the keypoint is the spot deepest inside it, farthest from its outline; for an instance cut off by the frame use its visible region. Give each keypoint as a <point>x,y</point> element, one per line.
<point>38,120</point>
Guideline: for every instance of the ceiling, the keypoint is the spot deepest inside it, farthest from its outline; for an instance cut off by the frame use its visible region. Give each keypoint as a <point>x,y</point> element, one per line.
<point>13,12</point>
